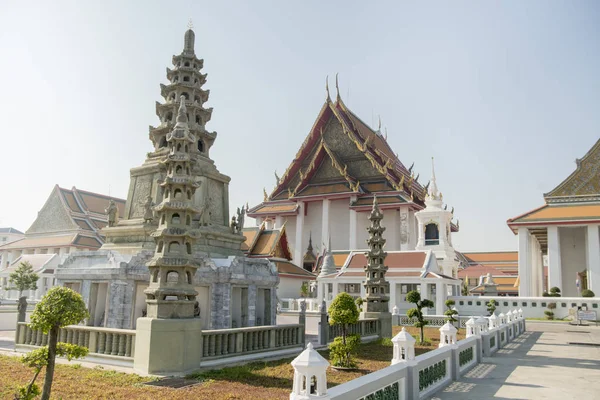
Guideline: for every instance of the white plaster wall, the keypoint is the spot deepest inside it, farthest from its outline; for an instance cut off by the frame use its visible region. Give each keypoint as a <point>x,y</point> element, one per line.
<point>339,224</point>
<point>362,223</point>
<point>573,257</point>
<point>391,222</point>
<point>313,221</point>
<point>413,234</point>
<point>289,287</point>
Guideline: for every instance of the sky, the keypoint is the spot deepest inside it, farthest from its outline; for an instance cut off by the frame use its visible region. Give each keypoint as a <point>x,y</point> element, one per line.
<point>505,95</point>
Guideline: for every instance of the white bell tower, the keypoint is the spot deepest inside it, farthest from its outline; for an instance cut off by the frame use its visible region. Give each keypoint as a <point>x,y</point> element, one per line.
<point>434,229</point>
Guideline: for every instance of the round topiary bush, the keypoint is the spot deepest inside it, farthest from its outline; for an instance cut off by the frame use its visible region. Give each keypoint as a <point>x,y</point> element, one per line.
<point>587,293</point>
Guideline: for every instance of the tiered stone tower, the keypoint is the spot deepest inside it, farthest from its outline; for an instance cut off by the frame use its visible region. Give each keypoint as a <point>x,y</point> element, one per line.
<point>377,289</point>
<point>171,293</point>
<point>211,200</point>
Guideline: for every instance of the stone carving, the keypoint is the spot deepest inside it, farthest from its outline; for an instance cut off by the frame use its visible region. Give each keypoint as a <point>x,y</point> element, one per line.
<point>403,228</point>
<point>148,210</point>
<point>215,202</point>
<point>204,214</point>
<point>234,225</point>
<point>112,212</point>
<point>584,181</point>
<point>241,215</point>
<point>141,192</point>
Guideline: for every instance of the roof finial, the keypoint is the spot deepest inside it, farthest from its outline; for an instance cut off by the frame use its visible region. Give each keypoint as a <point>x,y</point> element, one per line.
<point>385,135</point>
<point>337,86</point>
<point>188,40</point>
<point>190,24</point>
<point>379,126</point>
<point>327,88</point>
<point>433,189</point>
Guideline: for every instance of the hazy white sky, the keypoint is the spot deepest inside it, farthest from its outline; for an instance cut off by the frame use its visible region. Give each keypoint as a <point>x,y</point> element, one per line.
<point>505,95</point>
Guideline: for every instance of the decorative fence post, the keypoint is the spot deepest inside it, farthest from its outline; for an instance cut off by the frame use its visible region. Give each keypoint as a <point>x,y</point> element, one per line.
<point>302,321</point>
<point>493,320</point>
<point>482,324</point>
<point>447,335</point>
<point>404,347</point>
<point>323,325</point>
<point>471,327</point>
<point>310,376</point>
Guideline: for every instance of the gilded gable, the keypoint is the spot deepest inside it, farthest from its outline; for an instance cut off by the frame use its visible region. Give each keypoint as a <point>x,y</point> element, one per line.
<point>583,183</point>
<point>339,141</point>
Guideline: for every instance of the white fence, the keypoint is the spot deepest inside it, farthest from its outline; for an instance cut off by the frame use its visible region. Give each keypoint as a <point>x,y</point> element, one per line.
<point>533,307</point>
<point>409,379</point>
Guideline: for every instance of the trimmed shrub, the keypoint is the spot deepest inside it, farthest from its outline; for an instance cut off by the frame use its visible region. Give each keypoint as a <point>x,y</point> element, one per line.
<point>587,293</point>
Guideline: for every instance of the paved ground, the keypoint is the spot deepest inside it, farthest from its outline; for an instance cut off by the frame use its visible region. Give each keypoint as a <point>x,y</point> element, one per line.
<point>7,340</point>
<point>540,364</point>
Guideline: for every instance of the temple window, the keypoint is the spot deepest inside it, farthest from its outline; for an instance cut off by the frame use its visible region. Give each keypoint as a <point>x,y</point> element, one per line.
<point>186,78</point>
<point>173,276</point>
<point>179,169</point>
<point>198,119</point>
<point>197,99</point>
<point>187,170</point>
<point>186,95</point>
<point>200,146</point>
<point>178,193</point>
<point>187,64</point>
<point>186,148</point>
<point>173,247</point>
<point>175,218</point>
<point>432,234</point>
<point>188,247</point>
<point>163,220</point>
<point>169,116</point>
<point>179,147</point>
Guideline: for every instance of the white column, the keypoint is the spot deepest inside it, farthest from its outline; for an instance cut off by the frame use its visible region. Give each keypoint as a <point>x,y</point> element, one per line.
<point>534,266</point>
<point>278,221</point>
<point>440,298</point>
<point>554,264</point>
<point>420,235</point>
<point>393,300</point>
<point>299,245</point>
<point>325,226</point>
<point>524,263</point>
<point>593,259</point>
<point>352,243</point>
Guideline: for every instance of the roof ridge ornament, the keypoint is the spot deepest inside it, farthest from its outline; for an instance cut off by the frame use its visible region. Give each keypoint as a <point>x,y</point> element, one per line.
<point>337,87</point>
<point>190,24</point>
<point>327,88</point>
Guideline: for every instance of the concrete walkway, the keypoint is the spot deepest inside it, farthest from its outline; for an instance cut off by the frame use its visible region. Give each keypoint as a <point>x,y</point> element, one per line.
<point>7,340</point>
<point>540,364</point>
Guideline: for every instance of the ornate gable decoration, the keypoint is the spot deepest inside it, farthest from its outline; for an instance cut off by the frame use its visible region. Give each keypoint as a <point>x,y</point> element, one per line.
<point>583,184</point>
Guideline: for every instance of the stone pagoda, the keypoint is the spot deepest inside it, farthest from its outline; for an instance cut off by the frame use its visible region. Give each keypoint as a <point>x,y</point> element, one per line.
<point>377,289</point>
<point>171,292</point>
<point>172,261</point>
<point>211,201</point>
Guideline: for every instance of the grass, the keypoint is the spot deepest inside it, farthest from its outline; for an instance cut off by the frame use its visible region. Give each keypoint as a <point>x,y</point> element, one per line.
<point>548,320</point>
<point>258,380</point>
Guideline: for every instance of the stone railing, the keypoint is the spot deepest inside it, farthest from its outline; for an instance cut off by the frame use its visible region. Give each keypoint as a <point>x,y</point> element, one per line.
<point>434,320</point>
<point>533,307</point>
<point>364,327</point>
<point>234,342</point>
<point>411,378</point>
<point>99,341</point>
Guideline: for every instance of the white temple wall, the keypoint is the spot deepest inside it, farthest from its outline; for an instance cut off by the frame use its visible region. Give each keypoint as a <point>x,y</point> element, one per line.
<point>313,222</point>
<point>362,235</point>
<point>289,288</point>
<point>339,218</point>
<point>573,258</point>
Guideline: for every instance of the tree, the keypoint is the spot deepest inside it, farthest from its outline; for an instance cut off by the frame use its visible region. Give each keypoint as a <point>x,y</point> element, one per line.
<point>587,293</point>
<point>23,278</point>
<point>304,289</point>
<point>549,313</point>
<point>491,306</point>
<point>60,307</point>
<point>554,292</point>
<point>450,312</point>
<point>343,312</point>
<point>465,287</point>
<point>417,312</point>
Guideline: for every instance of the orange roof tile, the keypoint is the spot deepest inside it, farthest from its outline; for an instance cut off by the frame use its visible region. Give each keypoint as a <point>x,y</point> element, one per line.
<point>250,235</point>
<point>286,267</point>
<point>411,259</point>
<point>493,256</point>
<point>267,208</point>
<point>265,243</point>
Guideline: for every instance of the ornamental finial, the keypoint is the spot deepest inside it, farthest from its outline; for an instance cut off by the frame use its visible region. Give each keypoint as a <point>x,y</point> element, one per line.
<point>337,86</point>
<point>327,88</point>
<point>182,113</point>
<point>190,24</point>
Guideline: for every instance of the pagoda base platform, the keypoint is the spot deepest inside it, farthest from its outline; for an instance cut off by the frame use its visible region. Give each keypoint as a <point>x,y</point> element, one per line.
<point>385,320</point>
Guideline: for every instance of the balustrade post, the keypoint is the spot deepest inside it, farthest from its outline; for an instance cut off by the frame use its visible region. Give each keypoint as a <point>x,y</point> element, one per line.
<point>128,346</point>
<point>101,342</point>
<point>122,338</point>
<point>272,338</point>
<point>115,344</point>
<point>239,342</point>
<point>93,343</point>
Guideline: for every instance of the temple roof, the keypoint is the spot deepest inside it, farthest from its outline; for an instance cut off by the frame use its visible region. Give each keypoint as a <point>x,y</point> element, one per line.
<point>583,184</point>
<point>11,230</point>
<point>53,242</point>
<point>343,156</point>
<point>267,243</point>
<point>289,269</point>
<point>39,262</point>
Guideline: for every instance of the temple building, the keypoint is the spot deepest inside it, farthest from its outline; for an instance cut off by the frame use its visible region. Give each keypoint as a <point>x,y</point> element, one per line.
<point>327,192</point>
<point>176,222</point>
<point>566,230</point>
<point>272,244</point>
<point>501,265</point>
<point>70,220</point>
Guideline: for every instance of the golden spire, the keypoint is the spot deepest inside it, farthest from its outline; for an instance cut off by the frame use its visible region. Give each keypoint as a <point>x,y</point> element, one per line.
<point>265,195</point>
<point>337,87</point>
<point>327,88</point>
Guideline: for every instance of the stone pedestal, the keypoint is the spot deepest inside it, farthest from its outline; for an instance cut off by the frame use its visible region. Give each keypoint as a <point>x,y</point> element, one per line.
<point>168,346</point>
<point>385,321</point>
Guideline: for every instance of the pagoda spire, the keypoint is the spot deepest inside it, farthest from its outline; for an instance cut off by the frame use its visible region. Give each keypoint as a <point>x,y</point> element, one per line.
<point>376,287</point>
<point>171,293</point>
<point>434,197</point>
